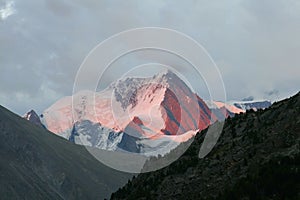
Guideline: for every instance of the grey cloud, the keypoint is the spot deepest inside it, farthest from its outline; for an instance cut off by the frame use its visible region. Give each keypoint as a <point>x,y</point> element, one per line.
<point>254,43</point>
<point>7,10</point>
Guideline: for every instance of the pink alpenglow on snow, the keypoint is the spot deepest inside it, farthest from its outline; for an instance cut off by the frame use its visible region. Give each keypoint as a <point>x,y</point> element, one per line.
<point>154,107</point>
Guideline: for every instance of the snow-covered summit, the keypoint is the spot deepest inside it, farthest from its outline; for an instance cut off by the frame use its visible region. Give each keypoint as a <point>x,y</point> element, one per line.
<point>236,107</point>
<point>163,103</point>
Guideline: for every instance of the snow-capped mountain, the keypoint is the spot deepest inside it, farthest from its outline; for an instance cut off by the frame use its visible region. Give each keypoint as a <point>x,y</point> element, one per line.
<point>132,114</point>
<point>222,110</point>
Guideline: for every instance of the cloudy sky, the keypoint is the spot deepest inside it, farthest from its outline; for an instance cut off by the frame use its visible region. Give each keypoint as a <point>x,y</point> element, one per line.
<point>255,43</point>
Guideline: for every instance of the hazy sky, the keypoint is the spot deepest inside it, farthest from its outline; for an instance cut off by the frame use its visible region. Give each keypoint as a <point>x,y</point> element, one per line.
<point>255,43</point>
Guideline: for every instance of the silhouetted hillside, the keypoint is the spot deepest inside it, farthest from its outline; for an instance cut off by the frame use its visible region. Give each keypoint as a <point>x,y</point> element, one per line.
<point>36,164</point>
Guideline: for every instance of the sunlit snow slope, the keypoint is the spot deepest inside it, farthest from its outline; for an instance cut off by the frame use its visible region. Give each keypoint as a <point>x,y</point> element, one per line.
<point>132,113</point>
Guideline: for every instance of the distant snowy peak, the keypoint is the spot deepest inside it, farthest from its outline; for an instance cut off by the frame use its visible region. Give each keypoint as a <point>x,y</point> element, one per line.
<point>33,118</point>
<point>222,110</point>
<point>221,105</point>
<point>147,108</point>
<point>162,102</point>
<point>229,107</point>
<point>138,114</point>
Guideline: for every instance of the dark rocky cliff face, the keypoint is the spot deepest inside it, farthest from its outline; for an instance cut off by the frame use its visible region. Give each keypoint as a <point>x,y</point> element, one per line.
<point>257,157</point>
<point>33,118</point>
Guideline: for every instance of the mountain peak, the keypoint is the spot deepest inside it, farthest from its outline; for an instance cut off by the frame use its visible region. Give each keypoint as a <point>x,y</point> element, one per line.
<point>166,75</point>
<point>126,89</point>
<point>30,115</point>
<point>162,105</point>
<point>33,117</point>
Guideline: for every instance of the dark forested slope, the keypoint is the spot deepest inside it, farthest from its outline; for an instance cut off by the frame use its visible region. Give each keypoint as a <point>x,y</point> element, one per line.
<point>256,157</point>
